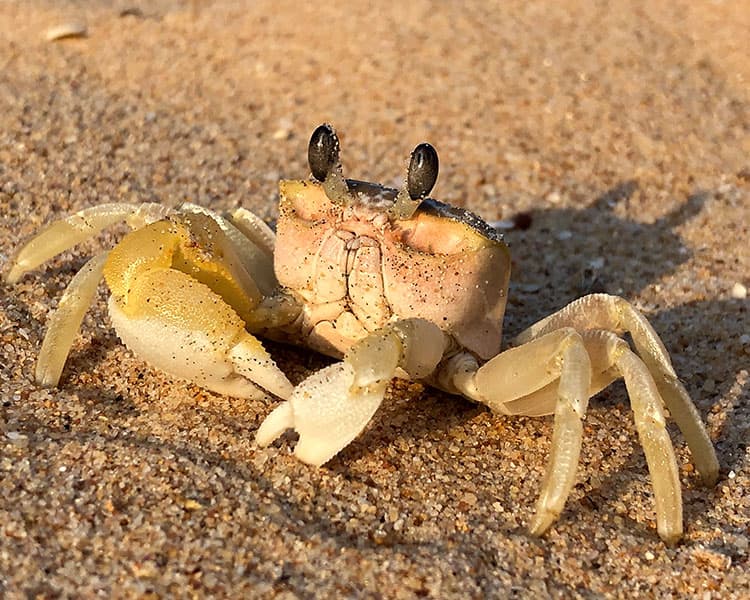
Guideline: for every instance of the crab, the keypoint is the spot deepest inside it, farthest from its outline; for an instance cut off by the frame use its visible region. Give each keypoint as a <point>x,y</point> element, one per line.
<point>391,283</point>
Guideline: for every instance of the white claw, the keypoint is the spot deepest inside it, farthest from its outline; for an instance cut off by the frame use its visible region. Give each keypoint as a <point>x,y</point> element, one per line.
<point>276,423</point>
<point>325,412</point>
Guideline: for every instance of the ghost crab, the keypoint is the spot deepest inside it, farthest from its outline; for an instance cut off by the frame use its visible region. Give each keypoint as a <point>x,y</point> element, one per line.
<point>391,282</point>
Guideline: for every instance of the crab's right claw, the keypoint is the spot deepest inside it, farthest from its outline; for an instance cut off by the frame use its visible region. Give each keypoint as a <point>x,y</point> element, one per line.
<point>332,407</point>
<point>325,412</point>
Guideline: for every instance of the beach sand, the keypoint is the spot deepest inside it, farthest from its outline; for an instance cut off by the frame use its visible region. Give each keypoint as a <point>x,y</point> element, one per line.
<point>621,132</point>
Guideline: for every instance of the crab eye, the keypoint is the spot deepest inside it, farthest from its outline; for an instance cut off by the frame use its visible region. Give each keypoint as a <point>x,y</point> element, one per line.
<point>323,152</point>
<point>423,171</point>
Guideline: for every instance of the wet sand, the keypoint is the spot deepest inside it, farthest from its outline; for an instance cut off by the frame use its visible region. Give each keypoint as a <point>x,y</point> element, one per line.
<point>622,132</point>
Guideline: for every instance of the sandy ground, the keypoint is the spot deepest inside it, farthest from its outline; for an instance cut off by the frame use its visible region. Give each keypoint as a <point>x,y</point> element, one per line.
<point>624,131</point>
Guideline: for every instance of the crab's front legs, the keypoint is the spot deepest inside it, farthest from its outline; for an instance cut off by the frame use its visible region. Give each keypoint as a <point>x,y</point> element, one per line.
<point>331,407</point>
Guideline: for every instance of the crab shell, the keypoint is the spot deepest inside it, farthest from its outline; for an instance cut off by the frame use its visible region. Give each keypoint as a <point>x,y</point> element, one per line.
<point>355,267</point>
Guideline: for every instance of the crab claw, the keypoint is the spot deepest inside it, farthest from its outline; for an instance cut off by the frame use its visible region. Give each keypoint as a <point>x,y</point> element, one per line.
<point>332,407</point>
<point>326,413</point>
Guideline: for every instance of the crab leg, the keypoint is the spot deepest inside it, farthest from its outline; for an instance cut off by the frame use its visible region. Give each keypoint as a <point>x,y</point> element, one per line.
<point>601,311</point>
<point>61,235</point>
<point>613,358</point>
<point>254,229</point>
<point>332,407</point>
<point>657,446</point>
<point>498,385</point>
<point>542,402</point>
<point>64,323</point>
<point>520,371</point>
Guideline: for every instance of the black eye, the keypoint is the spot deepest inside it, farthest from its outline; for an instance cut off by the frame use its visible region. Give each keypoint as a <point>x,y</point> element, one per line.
<point>323,151</point>
<point>423,171</point>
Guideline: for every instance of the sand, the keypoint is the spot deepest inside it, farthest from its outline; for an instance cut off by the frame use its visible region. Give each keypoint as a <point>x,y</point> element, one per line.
<point>623,132</point>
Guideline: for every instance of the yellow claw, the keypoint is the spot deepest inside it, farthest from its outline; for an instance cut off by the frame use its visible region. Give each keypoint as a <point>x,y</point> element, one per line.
<point>175,245</point>
<point>184,328</point>
<point>182,299</point>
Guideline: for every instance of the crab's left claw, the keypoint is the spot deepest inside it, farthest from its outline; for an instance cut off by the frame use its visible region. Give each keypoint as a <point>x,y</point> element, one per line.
<point>332,407</point>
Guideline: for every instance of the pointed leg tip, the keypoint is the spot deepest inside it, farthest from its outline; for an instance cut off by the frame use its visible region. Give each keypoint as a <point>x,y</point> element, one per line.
<point>13,271</point>
<point>46,378</point>
<point>710,475</point>
<point>670,536</point>
<point>11,277</point>
<point>541,522</point>
<point>709,479</point>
